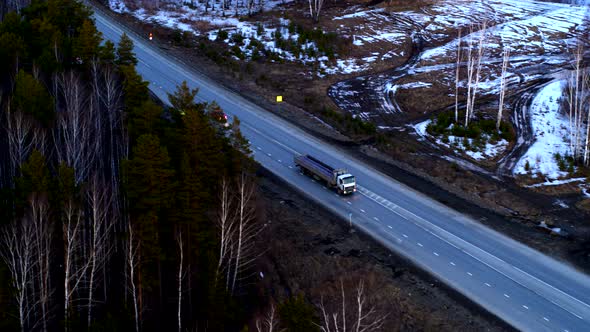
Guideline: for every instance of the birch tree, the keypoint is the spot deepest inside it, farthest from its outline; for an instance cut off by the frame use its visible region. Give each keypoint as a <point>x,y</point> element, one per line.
<point>246,229</point>
<point>457,70</point>
<point>225,223</point>
<point>19,130</point>
<point>99,201</point>
<point>18,252</point>
<point>505,59</point>
<point>474,63</point>
<point>315,8</point>
<point>39,212</point>
<point>576,100</point>
<point>132,259</point>
<point>74,133</point>
<point>74,268</point>
<point>358,317</point>
<point>180,277</point>
<point>470,68</point>
<point>270,322</point>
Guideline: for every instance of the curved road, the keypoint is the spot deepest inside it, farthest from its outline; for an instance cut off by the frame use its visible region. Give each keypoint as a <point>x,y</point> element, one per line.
<point>528,290</point>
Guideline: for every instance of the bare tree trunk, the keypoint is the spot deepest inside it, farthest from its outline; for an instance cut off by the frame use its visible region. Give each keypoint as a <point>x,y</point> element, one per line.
<point>364,320</point>
<point>74,267</point>
<point>270,322</point>
<point>505,58</point>
<point>18,252</point>
<point>180,277</point>
<point>99,201</point>
<point>315,7</point>
<point>39,209</point>
<point>480,51</point>
<point>457,69</point>
<point>470,68</point>
<point>19,129</point>
<point>132,260</point>
<point>74,133</point>
<point>226,224</point>
<point>246,231</point>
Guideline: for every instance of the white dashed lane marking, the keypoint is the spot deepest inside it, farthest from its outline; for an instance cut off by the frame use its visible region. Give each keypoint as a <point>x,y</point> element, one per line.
<point>290,166</point>
<point>436,254</point>
<point>390,227</point>
<point>420,244</point>
<point>469,273</point>
<point>258,148</point>
<point>488,284</point>
<point>349,203</point>
<point>452,264</point>
<point>524,306</point>
<point>376,219</point>
<point>546,319</point>
<point>404,235</point>
<point>363,211</point>
<point>507,296</point>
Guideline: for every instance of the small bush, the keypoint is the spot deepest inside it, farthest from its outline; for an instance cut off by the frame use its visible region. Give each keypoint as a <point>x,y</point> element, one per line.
<point>527,166</point>
<point>562,165</point>
<point>237,38</point>
<point>235,50</point>
<point>260,29</point>
<point>222,35</point>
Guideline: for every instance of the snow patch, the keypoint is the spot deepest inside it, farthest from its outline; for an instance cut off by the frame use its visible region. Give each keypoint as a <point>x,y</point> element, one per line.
<point>551,133</point>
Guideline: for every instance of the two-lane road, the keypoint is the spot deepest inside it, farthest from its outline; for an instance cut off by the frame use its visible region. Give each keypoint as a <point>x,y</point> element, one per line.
<point>528,290</point>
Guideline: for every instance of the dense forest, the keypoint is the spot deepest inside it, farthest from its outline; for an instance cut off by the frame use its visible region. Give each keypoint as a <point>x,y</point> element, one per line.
<point>116,213</point>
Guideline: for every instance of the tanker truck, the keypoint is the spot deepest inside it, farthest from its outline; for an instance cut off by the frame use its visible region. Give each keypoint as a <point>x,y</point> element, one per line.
<point>337,178</point>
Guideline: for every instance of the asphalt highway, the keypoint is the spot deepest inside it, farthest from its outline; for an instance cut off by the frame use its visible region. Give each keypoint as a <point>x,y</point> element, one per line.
<point>525,288</point>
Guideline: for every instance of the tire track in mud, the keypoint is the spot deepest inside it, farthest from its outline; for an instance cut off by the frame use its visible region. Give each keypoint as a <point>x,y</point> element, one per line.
<point>369,93</point>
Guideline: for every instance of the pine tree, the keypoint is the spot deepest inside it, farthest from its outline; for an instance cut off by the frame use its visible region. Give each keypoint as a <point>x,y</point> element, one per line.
<point>125,55</point>
<point>107,53</point>
<point>87,44</point>
<point>183,99</point>
<point>31,97</point>
<point>12,50</point>
<point>134,87</point>
<point>144,120</point>
<point>149,187</point>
